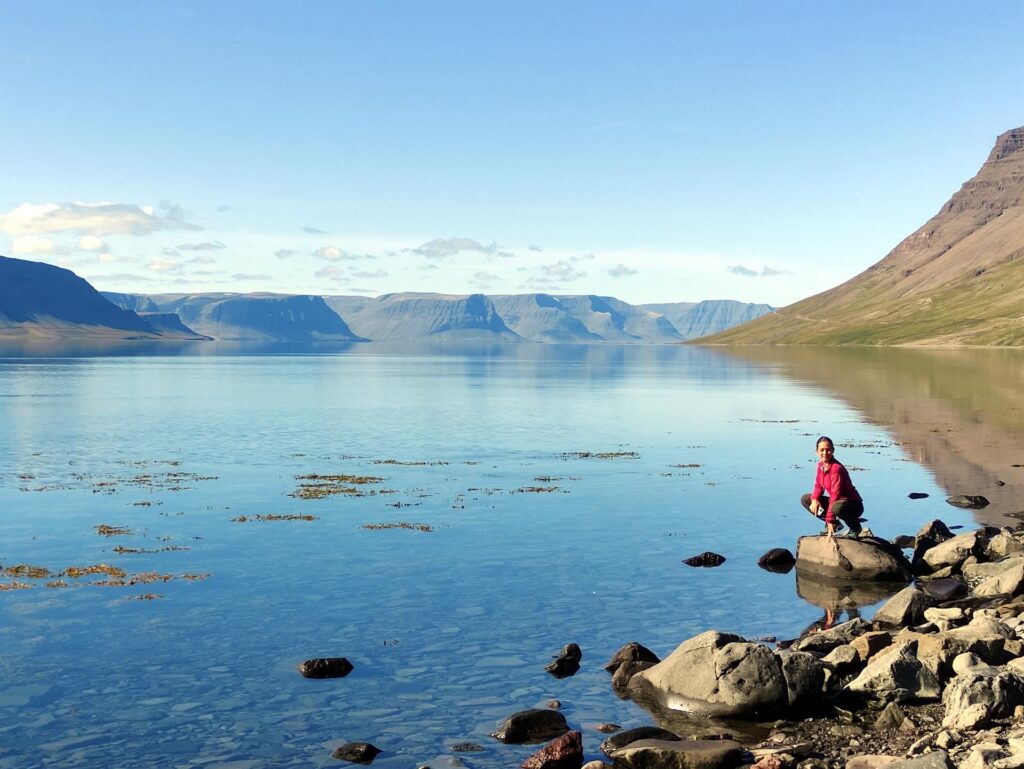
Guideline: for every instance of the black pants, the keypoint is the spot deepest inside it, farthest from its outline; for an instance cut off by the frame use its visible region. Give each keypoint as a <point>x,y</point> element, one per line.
<point>847,510</point>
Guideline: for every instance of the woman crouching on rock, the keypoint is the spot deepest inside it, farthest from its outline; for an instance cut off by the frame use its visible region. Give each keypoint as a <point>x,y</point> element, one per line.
<point>833,496</point>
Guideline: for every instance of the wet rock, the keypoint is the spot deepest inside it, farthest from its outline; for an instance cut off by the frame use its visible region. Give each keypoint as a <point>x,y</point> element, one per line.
<point>326,667</point>
<point>566,663</point>
<point>896,676</point>
<point>968,501</point>
<point>904,609</point>
<point>917,495</point>
<point>608,728</point>
<point>705,559</point>
<point>553,704</point>
<point>531,725</point>
<point>631,652</point>
<point>625,671</point>
<point>636,734</point>
<point>680,754</point>
<point>947,589</point>
<point>565,752</point>
<point>357,752</point>
<point>845,558</point>
<point>778,559</point>
<point>904,541</point>
<point>715,674</point>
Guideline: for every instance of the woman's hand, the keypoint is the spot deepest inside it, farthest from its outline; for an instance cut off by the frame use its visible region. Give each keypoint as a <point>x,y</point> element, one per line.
<point>815,506</point>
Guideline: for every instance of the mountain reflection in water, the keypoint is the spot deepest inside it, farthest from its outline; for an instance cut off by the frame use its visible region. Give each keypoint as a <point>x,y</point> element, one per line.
<point>959,413</point>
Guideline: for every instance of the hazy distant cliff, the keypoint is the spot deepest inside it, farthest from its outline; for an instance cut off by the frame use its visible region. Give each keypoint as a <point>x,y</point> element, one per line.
<point>697,319</point>
<point>411,316</point>
<point>42,301</point>
<point>583,319</point>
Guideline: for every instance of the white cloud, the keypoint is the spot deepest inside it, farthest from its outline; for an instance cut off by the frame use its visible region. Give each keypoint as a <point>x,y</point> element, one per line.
<point>249,276</point>
<point>35,244</point>
<point>214,245</point>
<point>334,254</point>
<point>621,271</point>
<point>484,280</point>
<point>443,248</point>
<point>202,259</point>
<point>159,264</point>
<point>331,272</point>
<point>766,272</point>
<point>92,243</point>
<point>562,270</point>
<point>365,274</point>
<point>93,219</point>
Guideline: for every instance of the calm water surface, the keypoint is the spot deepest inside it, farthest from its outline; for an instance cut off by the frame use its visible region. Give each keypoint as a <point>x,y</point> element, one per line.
<point>531,543</point>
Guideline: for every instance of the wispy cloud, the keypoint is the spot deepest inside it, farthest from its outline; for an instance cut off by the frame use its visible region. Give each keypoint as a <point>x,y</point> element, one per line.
<point>164,265</point>
<point>202,259</point>
<point>444,248</point>
<point>335,254</point>
<point>214,245</point>
<point>94,219</point>
<point>250,276</point>
<point>766,272</point>
<point>314,231</point>
<point>621,271</point>
<point>284,253</point>
<point>484,280</point>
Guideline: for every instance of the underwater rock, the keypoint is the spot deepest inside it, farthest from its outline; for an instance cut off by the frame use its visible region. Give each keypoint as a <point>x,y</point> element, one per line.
<point>705,559</point>
<point>326,667</point>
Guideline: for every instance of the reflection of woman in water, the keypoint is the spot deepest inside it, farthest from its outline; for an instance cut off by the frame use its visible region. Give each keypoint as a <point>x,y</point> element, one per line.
<point>833,497</point>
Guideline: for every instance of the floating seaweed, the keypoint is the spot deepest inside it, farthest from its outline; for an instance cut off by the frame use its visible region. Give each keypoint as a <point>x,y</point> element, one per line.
<point>14,586</point>
<point>600,455</point>
<point>274,517</point>
<point>105,530</point>
<point>399,525</point>
<point>535,490</point>
<point>316,486</point>
<point>28,572</point>
<point>414,463</point>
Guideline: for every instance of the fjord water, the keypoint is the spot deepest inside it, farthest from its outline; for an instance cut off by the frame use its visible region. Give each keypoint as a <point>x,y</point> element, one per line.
<point>548,495</point>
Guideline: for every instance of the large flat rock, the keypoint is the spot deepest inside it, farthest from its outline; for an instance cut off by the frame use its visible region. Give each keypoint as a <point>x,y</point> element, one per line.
<point>846,558</point>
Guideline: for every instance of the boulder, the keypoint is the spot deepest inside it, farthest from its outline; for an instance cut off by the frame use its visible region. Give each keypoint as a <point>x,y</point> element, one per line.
<point>715,674</point>
<point>778,559</point>
<point>917,495</point>
<point>843,660</point>
<point>946,589</point>
<point>904,609</point>
<point>870,761</point>
<point>891,717</point>
<point>357,752</point>
<point>566,663</point>
<point>1009,581</point>
<point>975,697</point>
<point>934,530</point>
<point>896,676</point>
<point>870,644</point>
<point>805,678</point>
<point>903,541</point>
<point>531,725</point>
<point>681,754</point>
<point>979,572</point>
<point>937,759</point>
<point>632,651</point>
<point>565,752</point>
<point>946,619</point>
<point>968,501</point>
<point>1002,545</point>
<point>326,667</point>
<point>636,734</point>
<point>846,558</point>
<point>954,551</point>
<point>827,640</point>
<point>625,671</point>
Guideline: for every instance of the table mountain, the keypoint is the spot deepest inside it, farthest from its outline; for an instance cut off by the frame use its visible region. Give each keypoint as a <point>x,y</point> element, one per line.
<point>958,280</point>
<point>415,316</point>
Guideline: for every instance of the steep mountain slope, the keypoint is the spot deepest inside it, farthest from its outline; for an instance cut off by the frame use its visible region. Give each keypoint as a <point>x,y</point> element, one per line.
<point>958,280</point>
<point>263,317</point>
<point>42,301</point>
<point>411,316</point>
<point>698,319</point>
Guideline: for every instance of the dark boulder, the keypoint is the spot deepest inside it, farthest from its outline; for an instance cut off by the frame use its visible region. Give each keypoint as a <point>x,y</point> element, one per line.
<point>968,501</point>
<point>917,495</point>
<point>357,752</point>
<point>935,530</point>
<point>705,559</point>
<point>531,725</point>
<point>947,589</point>
<point>566,663</point>
<point>904,541</point>
<point>326,667</point>
<point>625,671</point>
<point>565,752</point>
<point>631,652</point>
<point>778,559</point>
<point>636,734</point>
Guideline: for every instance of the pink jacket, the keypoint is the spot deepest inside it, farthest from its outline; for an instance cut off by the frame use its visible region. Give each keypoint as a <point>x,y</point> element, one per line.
<point>836,483</point>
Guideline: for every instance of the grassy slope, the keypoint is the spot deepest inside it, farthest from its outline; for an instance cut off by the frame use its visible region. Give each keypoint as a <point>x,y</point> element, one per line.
<point>958,280</point>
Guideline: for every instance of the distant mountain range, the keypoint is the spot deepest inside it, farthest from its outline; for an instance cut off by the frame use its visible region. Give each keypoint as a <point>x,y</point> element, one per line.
<point>42,301</point>
<point>958,280</point>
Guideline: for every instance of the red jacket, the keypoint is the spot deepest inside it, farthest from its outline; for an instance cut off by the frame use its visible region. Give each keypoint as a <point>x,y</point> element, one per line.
<point>836,483</point>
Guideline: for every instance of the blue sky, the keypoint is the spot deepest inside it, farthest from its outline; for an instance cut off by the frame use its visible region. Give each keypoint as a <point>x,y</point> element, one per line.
<point>652,151</point>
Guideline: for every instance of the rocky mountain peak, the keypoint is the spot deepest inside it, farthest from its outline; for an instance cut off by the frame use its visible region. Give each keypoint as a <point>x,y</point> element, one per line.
<point>1007,144</point>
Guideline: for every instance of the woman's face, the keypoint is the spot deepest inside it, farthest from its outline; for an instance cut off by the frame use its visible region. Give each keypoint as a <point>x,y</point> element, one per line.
<point>825,450</point>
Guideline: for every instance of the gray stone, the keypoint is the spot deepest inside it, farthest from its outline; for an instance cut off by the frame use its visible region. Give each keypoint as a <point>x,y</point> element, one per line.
<point>896,676</point>
<point>870,644</point>
<point>968,501</point>
<point>942,590</point>
<point>870,761</point>
<point>937,759</point>
<point>891,717</point>
<point>1002,545</point>
<point>1009,582</point>
<point>954,552</point>
<point>843,660</point>
<point>975,697</point>
<point>805,678</point>
<point>846,558</point>
<point>531,726</point>
<point>715,674</point>
<point>978,572</point>
<point>935,530</point>
<point>357,752</point>
<point>904,609</point>
<point>827,640</point>
<point>682,754</point>
<point>620,679</point>
<point>636,734</point>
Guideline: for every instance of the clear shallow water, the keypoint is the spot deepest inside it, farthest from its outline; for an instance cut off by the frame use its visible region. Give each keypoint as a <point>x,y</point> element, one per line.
<point>448,629</point>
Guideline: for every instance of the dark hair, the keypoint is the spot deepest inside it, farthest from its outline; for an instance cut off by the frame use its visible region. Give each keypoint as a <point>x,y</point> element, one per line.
<point>825,438</point>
